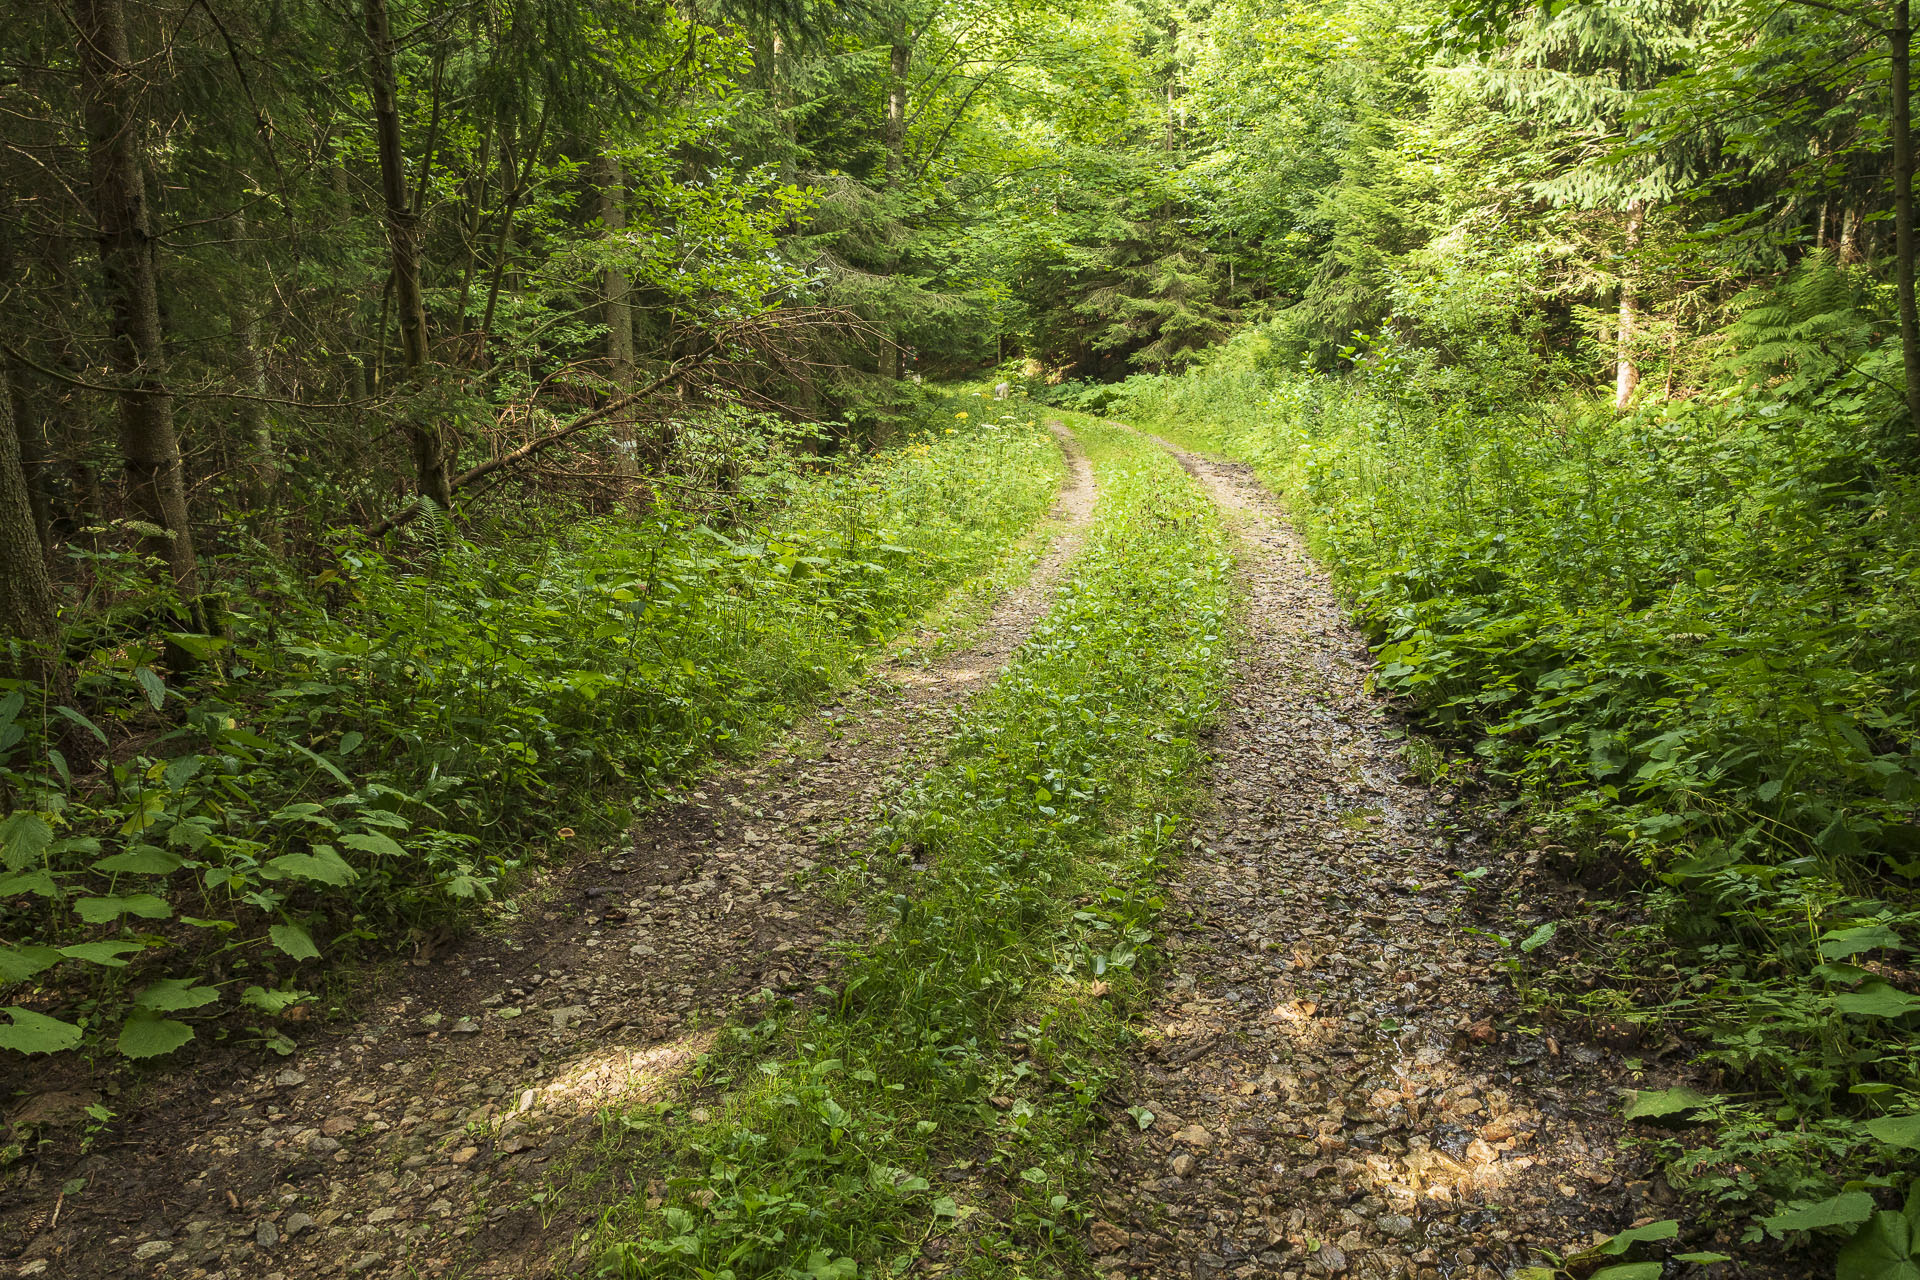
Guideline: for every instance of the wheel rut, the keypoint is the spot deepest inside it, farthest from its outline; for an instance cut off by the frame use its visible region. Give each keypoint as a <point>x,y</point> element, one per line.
<point>1339,1080</point>
<point>411,1142</point>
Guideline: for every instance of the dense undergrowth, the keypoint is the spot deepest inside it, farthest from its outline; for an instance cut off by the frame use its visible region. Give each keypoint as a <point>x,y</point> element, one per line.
<point>933,1104</point>
<point>1684,640</point>
<point>373,749</point>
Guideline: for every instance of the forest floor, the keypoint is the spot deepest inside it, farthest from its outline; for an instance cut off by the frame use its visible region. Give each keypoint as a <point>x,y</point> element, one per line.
<point>414,1140</point>
<point>1339,1078</point>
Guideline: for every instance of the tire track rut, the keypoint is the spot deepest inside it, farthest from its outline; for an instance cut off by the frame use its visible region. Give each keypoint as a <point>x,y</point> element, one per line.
<point>1339,1081</point>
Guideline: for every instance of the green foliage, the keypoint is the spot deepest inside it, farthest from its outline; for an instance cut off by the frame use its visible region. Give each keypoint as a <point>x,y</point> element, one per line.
<point>384,749</point>
<point>950,1076</point>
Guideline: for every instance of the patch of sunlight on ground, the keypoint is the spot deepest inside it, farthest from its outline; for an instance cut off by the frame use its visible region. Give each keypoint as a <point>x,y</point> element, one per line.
<point>624,1075</point>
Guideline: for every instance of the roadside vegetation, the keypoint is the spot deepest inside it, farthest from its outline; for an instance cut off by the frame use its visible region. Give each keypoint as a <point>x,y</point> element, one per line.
<point>1679,643</point>
<point>377,751</point>
<point>936,1098</point>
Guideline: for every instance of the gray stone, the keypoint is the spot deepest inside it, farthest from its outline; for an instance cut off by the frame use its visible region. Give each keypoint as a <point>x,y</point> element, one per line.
<point>266,1235</point>
<point>1327,1261</point>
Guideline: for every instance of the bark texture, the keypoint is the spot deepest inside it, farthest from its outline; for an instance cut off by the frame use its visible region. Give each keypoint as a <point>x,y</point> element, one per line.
<point>617,306</point>
<point>1901,37</point>
<point>431,461</point>
<point>896,123</point>
<point>1626,370</point>
<point>27,616</point>
<point>149,445</point>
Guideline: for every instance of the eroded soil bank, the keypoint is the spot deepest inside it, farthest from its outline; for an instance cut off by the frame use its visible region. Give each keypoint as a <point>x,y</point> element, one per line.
<point>414,1141</point>
<point>1336,1079</point>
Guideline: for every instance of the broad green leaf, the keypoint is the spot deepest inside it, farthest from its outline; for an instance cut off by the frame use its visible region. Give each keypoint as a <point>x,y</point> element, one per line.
<point>69,713</point>
<point>272,1001</point>
<point>1838,944</point>
<point>1880,1250</point>
<point>323,762</point>
<point>34,882</point>
<point>142,859</point>
<point>201,647</point>
<point>152,686</point>
<point>1842,1210</point>
<point>374,842</point>
<point>823,1266</point>
<point>1631,1271</point>
<point>323,866</point>
<point>1896,1131</point>
<point>17,964</point>
<point>24,837</point>
<point>1540,937</point>
<point>1876,1000</point>
<point>1619,1244</point>
<point>102,910</point>
<point>107,953</point>
<point>1651,1104</point>
<point>37,1033</point>
<point>293,940</point>
<point>179,773</point>
<point>171,995</point>
<point>148,1035</point>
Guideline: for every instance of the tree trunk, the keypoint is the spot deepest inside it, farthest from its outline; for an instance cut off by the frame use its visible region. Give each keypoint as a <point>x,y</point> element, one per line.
<point>1173,85</point>
<point>149,446</point>
<point>896,128</point>
<point>1627,372</point>
<point>36,458</point>
<point>1901,37</point>
<point>432,465</point>
<point>263,472</point>
<point>617,308</point>
<point>29,622</point>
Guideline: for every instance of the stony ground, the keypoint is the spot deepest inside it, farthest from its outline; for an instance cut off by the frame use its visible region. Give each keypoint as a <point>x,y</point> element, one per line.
<point>1337,1079</point>
<point>414,1142</point>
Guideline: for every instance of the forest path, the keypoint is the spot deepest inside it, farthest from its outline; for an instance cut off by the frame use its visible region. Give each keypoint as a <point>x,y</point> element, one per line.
<point>1336,1081</point>
<point>411,1142</point>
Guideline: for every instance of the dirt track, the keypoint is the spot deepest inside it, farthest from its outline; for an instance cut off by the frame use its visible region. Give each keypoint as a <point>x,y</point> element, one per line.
<point>1336,1082</point>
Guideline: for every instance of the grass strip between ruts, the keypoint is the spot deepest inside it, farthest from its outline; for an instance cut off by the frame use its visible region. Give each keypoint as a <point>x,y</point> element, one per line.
<point>938,1101</point>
